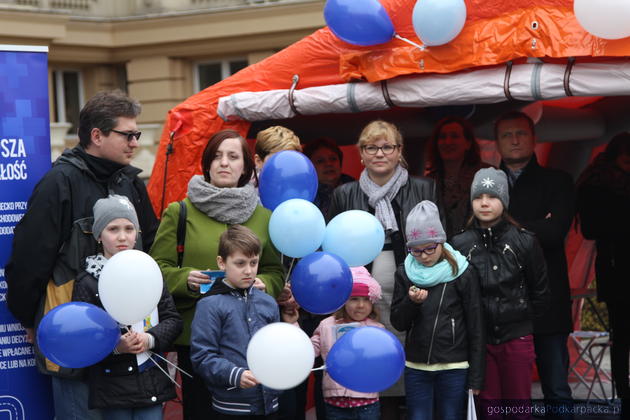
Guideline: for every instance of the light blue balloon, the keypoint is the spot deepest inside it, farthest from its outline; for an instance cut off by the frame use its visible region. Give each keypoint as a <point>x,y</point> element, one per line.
<point>356,236</point>
<point>297,227</point>
<point>437,22</point>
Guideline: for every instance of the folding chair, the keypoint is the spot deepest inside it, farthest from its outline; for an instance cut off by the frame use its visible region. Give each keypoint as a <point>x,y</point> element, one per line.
<point>591,347</point>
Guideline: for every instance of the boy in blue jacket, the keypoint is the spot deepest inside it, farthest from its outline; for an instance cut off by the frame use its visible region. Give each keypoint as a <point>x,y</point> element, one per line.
<point>224,323</point>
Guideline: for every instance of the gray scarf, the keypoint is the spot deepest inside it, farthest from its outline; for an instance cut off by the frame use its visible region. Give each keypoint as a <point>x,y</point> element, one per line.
<point>380,198</point>
<point>226,205</point>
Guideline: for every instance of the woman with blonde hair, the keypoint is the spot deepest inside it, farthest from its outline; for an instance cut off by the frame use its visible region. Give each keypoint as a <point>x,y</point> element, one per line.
<point>273,140</point>
<point>386,190</point>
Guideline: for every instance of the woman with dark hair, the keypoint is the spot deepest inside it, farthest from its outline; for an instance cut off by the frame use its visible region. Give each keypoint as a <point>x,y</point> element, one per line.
<point>603,206</point>
<point>452,159</point>
<point>327,158</point>
<point>220,197</point>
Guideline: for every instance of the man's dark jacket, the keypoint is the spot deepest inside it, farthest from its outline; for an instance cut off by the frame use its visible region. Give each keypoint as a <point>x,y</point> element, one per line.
<point>66,193</point>
<point>537,193</point>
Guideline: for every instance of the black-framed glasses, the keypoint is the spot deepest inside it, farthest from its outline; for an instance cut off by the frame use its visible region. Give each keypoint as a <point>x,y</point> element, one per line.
<point>387,149</point>
<point>129,134</point>
<point>429,250</point>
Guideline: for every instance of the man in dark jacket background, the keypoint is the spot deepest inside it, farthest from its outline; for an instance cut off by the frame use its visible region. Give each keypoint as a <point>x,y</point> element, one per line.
<point>98,166</point>
<point>543,201</point>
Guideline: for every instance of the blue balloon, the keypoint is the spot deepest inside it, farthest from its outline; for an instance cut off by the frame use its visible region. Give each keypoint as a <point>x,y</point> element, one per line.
<point>366,359</point>
<point>356,236</point>
<point>297,228</point>
<point>286,175</point>
<point>77,334</point>
<point>321,282</point>
<point>437,22</point>
<point>359,22</point>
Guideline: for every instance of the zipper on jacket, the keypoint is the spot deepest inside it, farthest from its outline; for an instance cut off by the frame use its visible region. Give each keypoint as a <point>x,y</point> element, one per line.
<point>469,256</point>
<point>506,248</point>
<point>453,329</point>
<point>437,315</point>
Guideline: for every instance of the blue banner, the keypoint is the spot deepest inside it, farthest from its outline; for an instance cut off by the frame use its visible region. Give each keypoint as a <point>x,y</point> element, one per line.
<point>24,159</point>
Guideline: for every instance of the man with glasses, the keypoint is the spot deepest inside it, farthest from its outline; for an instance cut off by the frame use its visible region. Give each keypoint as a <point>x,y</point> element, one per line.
<point>97,167</point>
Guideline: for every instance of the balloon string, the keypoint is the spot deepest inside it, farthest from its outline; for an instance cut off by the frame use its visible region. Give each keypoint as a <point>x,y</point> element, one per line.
<point>408,41</point>
<point>163,371</point>
<point>172,364</point>
<point>166,360</point>
<point>286,279</point>
<point>322,367</point>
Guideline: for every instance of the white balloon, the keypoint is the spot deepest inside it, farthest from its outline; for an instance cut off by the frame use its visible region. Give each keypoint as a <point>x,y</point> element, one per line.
<point>130,286</point>
<point>606,19</point>
<point>280,355</point>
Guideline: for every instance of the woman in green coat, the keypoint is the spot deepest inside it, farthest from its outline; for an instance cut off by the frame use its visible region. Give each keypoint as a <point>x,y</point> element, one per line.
<point>222,196</point>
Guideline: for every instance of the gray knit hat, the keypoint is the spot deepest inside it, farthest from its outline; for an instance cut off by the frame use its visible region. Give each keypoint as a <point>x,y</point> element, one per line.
<point>110,208</point>
<point>423,225</point>
<point>492,182</point>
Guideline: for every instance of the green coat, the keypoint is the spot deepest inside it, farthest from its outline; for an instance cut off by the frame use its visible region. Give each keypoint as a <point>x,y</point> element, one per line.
<point>202,243</point>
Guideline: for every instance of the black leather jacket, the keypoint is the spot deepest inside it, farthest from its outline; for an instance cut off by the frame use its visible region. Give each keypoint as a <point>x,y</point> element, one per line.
<point>447,327</point>
<point>514,285</point>
<point>350,197</point>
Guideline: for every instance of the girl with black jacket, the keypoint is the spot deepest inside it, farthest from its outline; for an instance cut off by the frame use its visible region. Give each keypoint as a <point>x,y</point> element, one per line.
<point>437,302</point>
<point>514,292</point>
<point>127,384</point>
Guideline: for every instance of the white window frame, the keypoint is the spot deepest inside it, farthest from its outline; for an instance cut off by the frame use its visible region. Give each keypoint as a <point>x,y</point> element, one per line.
<point>225,68</point>
<point>60,102</point>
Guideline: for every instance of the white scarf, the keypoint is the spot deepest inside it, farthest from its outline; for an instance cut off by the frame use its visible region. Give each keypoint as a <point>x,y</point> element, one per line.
<point>380,197</point>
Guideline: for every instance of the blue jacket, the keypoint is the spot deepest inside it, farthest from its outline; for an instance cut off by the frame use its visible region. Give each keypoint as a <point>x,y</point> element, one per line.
<point>224,323</point>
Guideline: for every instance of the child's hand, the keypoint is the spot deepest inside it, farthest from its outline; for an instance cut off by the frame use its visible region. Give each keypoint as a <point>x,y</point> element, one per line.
<point>144,339</point>
<point>286,299</point>
<point>248,380</point>
<point>418,295</point>
<point>195,278</point>
<point>289,315</point>
<point>130,343</point>
<point>258,284</point>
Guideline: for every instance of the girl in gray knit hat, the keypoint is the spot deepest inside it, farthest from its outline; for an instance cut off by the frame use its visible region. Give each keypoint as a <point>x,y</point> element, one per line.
<point>437,302</point>
<point>514,289</point>
<point>127,383</point>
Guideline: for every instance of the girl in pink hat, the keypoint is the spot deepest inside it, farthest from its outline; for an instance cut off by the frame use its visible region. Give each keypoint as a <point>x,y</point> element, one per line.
<point>358,311</point>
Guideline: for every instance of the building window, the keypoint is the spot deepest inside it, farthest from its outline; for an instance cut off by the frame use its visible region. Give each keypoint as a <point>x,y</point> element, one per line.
<point>210,72</point>
<point>68,92</point>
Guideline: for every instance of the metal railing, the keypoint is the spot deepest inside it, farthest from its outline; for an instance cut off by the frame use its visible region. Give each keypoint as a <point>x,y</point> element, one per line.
<point>130,8</point>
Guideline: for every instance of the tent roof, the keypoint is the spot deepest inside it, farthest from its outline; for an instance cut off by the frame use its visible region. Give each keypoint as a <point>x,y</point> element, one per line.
<point>495,32</point>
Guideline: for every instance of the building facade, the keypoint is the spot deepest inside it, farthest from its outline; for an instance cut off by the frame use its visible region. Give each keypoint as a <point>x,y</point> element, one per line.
<point>159,51</point>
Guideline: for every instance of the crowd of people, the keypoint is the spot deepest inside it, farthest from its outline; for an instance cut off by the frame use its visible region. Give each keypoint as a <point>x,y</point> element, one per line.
<point>472,278</point>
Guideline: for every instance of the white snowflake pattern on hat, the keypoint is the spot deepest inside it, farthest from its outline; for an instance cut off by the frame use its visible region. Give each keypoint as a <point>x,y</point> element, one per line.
<point>487,183</point>
<point>125,202</point>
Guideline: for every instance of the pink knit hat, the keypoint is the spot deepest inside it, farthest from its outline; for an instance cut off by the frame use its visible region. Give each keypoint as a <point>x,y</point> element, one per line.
<point>363,284</point>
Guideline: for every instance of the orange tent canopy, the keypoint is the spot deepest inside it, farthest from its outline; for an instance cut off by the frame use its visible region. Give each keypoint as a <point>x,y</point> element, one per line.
<point>495,32</point>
